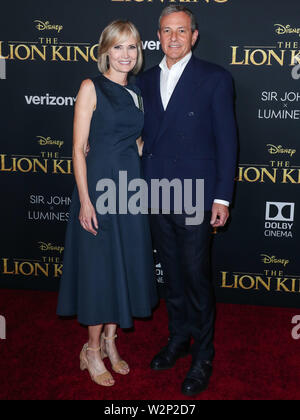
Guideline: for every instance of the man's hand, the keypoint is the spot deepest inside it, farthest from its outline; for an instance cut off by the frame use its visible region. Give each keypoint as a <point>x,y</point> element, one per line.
<point>220,215</point>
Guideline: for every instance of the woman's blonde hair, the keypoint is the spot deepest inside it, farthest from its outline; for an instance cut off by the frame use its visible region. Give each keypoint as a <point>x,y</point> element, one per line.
<point>116,32</point>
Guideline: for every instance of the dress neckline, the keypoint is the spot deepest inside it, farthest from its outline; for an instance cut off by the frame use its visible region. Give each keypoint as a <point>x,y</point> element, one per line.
<point>115,83</point>
<point>126,89</point>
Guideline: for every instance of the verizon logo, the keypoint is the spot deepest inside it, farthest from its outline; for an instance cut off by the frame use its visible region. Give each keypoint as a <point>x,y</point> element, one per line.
<point>151,45</point>
<point>49,100</point>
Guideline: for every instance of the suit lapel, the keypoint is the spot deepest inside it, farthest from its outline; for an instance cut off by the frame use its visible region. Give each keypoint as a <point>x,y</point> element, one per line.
<point>184,89</point>
<point>185,80</point>
<point>159,104</point>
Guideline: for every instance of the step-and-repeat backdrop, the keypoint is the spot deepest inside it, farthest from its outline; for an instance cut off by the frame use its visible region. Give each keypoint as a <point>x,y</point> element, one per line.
<point>48,48</point>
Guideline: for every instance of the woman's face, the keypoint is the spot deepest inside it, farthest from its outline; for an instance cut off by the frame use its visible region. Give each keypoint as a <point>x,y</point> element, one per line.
<point>123,56</point>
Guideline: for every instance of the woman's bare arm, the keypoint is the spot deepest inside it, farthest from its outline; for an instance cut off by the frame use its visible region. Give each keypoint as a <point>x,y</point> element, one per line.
<point>84,107</point>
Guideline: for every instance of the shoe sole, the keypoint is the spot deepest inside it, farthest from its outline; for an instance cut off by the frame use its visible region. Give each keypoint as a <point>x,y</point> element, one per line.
<point>193,394</point>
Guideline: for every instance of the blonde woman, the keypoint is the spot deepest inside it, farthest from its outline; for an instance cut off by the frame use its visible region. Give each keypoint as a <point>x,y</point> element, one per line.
<point>108,275</point>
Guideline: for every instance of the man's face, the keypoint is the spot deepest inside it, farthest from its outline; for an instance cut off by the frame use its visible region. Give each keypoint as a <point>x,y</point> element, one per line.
<point>176,36</point>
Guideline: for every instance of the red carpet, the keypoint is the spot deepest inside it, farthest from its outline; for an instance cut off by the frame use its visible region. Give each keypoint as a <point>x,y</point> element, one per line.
<point>256,357</point>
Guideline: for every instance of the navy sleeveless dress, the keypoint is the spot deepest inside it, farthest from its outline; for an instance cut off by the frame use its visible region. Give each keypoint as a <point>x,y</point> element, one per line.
<point>109,278</point>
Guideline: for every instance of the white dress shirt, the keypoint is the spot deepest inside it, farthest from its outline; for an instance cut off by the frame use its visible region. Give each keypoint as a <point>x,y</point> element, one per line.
<point>168,81</point>
<point>170,77</point>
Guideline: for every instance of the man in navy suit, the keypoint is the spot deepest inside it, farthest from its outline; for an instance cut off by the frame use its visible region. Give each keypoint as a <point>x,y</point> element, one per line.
<point>189,133</point>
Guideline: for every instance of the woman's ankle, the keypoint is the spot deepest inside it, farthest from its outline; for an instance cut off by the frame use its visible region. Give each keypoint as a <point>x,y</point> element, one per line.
<point>93,345</point>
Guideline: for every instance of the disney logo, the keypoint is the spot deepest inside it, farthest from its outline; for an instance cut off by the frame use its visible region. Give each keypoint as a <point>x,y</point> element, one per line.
<point>47,141</point>
<point>275,150</point>
<point>49,247</point>
<point>266,259</point>
<point>46,26</point>
<point>286,29</point>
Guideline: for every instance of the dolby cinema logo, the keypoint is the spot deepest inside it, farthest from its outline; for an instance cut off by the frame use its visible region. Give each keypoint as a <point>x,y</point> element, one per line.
<point>279,219</point>
<point>158,269</point>
<point>159,273</point>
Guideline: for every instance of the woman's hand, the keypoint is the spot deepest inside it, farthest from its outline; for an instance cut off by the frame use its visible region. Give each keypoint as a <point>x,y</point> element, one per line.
<point>88,218</point>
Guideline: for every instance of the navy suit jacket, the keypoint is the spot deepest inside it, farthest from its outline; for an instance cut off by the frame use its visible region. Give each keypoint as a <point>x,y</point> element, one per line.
<point>196,137</point>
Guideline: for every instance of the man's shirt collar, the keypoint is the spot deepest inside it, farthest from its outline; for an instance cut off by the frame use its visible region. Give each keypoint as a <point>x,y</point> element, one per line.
<point>182,63</point>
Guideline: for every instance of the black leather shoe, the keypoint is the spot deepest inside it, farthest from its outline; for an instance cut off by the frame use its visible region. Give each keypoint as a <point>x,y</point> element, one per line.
<point>197,379</point>
<point>168,356</point>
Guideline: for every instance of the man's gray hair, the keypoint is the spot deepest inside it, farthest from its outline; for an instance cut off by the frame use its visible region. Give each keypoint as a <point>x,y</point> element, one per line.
<point>175,9</point>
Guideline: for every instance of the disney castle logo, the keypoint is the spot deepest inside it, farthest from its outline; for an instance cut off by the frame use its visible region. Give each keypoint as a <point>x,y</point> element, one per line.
<point>46,26</point>
<point>286,29</point>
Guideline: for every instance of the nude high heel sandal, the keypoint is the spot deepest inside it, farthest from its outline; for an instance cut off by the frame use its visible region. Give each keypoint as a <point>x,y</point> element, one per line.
<point>117,367</point>
<point>100,379</point>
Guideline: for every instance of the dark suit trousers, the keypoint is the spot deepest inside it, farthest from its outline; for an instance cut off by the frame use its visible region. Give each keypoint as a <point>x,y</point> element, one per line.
<point>184,253</point>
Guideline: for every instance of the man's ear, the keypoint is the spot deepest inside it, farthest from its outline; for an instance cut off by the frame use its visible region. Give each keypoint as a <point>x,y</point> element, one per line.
<point>195,36</point>
<point>158,34</point>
